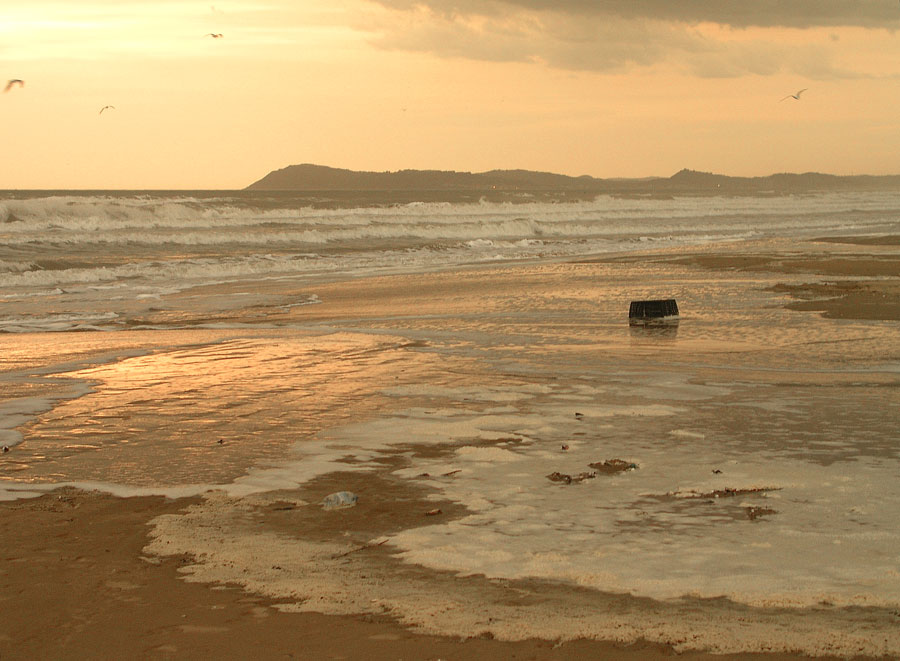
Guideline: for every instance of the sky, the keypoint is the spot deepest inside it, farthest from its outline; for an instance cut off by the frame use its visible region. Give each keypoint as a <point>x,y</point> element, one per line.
<point>608,88</point>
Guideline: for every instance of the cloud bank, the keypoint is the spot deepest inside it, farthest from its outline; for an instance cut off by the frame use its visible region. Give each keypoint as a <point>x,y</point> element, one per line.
<point>721,38</point>
<point>733,13</point>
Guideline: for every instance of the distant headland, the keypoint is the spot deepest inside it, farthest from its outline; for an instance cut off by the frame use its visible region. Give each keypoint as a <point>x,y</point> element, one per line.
<point>308,177</point>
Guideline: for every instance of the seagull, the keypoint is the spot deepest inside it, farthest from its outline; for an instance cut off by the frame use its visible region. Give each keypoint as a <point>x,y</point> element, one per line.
<point>14,81</point>
<point>106,108</point>
<point>795,96</point>
<point>214,35</point>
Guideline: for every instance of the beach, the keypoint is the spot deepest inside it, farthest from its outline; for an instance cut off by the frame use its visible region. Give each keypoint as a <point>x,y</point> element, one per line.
<point>384,329</point>
<point>165,481</point>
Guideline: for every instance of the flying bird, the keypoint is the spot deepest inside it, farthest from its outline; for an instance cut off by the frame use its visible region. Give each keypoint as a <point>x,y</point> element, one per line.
<point>14,81</point>
<point>214,35</point>
<point>795,96</point>
<point>106,108</point>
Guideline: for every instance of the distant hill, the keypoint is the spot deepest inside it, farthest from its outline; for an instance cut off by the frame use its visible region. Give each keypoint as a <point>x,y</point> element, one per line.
<point>782,182</point>
<point>308,177</point>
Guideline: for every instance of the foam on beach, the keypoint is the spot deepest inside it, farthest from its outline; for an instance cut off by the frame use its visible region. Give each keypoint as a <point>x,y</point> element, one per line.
<point>679,530</point>
<point>676,526</point>
<point>338,577</point>
<point>20,410</point>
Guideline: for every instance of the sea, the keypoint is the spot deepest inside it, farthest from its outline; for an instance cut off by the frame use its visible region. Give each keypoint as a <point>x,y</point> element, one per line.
<point>246,343</point>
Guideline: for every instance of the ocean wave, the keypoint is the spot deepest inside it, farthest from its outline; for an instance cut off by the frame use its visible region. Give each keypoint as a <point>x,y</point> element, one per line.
<point>55,322</point>
<point>424,229</point>
<point>186,271</point>
<point>140,214</point>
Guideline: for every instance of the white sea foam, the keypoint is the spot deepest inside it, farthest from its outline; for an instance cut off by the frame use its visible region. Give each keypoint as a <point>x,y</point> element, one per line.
<point>55,322</point>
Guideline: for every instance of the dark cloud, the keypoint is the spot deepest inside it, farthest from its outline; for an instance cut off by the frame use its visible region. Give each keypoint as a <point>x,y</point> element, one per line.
<point>615,35</point>
<point>734,13</point>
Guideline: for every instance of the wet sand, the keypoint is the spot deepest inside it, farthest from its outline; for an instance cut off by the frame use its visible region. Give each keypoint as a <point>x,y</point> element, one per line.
<point>868,288</point>
<point>76,580</point>
<point>76,584</point>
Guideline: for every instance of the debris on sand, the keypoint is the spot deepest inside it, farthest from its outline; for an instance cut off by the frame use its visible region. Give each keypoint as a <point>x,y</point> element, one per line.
<point>728,492</point>
<point>434,512</point>
<point>613,466</point>
<point>569,479</point>
<point>719,495</point>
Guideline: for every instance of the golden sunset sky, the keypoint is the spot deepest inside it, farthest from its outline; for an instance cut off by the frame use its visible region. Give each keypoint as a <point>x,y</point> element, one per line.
<point>617,88</point>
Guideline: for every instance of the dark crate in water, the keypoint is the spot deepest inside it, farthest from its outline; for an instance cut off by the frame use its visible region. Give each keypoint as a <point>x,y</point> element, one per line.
<point>649,311</point>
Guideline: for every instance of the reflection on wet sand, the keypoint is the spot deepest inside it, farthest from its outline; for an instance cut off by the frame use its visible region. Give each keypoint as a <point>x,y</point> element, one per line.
<point>661,330</point>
